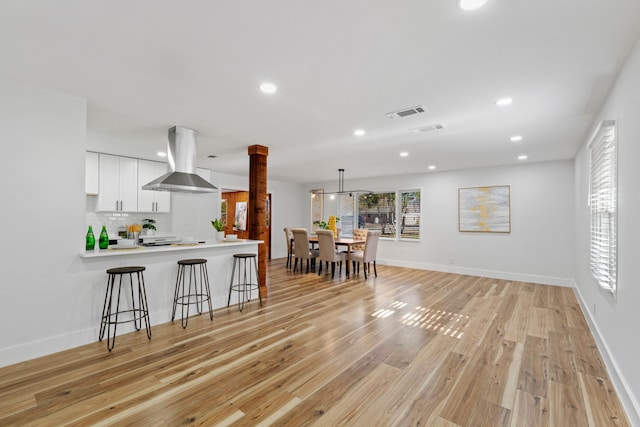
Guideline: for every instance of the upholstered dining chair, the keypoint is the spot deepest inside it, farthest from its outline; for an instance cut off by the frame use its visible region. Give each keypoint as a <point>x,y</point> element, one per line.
<point>359,234</point>
<point>290,245</point>
<point>301,248</point>
<point>367,255</point>
<point>328,253</point>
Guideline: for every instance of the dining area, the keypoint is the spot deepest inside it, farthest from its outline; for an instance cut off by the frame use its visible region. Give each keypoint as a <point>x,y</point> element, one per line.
<point>329,247</point>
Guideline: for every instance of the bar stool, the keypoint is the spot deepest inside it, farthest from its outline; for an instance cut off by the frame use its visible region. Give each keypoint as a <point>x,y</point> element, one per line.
<point>244,287</point>
<point>180,297</point>
<point>135,314</point>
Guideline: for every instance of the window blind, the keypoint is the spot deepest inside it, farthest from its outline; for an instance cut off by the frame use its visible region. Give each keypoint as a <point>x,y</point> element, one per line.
<point>603,205</point>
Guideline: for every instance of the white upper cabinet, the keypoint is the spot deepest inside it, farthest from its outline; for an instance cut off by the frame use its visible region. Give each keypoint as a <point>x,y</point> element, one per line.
<point>118,184</point>
<point>149,200</point>
<point>91,171</point>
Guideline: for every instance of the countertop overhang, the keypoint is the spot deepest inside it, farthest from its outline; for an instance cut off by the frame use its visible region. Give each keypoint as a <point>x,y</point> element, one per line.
<point>169,248</point>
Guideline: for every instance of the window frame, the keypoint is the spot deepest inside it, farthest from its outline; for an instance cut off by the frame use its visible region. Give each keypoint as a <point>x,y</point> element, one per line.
<point>603,206</point>
<point>397,235</point>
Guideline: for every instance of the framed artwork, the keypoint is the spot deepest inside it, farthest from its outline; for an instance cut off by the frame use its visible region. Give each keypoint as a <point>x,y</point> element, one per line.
<point>485,209</point>
<point>223,211</point>
<point>241,216</point>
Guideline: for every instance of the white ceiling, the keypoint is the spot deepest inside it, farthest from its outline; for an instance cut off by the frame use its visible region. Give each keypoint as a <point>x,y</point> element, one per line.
<point>145,66</point>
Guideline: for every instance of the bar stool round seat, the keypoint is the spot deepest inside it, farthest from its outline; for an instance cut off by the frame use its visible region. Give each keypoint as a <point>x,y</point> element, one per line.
<point>113,314</point>
<point>194,294</point>
<point>244,286</point>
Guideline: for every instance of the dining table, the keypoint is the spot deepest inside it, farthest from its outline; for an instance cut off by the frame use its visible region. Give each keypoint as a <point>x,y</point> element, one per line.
<point>341,241</point>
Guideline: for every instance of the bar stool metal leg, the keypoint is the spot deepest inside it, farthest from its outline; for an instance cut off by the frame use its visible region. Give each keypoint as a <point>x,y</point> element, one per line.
<point>244,285</point>
<point>187,295</point>
<point>139,309</point>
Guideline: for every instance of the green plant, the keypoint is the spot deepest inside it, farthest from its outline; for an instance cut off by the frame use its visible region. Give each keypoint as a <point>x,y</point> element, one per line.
<point>149,224</point>
<point>217,224</point>
<point>324,224</point>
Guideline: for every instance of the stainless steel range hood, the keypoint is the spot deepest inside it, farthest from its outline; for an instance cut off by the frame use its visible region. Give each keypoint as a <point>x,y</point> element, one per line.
<point>181,153</point>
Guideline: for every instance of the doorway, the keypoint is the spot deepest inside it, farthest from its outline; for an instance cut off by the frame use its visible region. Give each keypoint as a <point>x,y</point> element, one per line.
<point>234,214</point>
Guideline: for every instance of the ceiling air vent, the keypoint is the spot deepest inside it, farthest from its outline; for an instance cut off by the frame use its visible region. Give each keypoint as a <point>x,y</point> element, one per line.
<point>406,112</point>
<point>428,128</point>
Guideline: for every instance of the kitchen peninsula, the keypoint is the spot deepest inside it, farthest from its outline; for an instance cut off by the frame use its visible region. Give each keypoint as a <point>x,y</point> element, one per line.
<point>161,270</point>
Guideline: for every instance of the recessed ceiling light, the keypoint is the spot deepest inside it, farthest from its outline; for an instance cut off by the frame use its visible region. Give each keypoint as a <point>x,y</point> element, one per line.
<point>432,167</point>
<point>359,132</point>
<point>268,88</point>
<point>522,157</point>
<point>516,138</point>
<point>404,154</point>
<point>504,101</point>
<point>471,4</point>
<point>162,154</point>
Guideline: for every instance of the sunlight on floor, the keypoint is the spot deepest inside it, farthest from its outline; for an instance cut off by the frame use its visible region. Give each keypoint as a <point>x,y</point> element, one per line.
<point>439,321</point>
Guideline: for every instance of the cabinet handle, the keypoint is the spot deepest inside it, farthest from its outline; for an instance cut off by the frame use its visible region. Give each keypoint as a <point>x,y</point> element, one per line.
<point>120,205</point>
<point>116,205</point>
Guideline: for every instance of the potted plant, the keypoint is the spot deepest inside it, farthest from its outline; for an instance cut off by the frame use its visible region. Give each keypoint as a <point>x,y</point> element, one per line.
<point>149,226</point>
<point>321,225</point>
<point>219,227</point>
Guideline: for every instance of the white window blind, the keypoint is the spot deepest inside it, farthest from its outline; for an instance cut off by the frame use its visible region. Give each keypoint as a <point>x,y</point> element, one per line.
<point>603,204</point>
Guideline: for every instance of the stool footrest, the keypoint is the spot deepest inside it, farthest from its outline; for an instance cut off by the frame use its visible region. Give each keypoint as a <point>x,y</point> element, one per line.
<point>192,288</point>
<point>244,284</point>
<point>111,311</point>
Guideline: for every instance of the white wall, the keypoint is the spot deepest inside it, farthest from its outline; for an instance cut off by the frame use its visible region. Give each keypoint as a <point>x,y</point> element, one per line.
<point>49,299</point>
<point>43,216</point>
<point>538,249</point>
<point>614,322</point>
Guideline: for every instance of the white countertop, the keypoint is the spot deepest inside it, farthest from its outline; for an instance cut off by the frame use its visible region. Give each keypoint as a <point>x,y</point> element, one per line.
<point>169,248</point>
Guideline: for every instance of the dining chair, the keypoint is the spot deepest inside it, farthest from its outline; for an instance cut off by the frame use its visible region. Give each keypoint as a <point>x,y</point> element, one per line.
<point>327,251</point>
<point>367,255</point>
<point>290,245</point>
<point>301,248</point>
<point>359,234</point>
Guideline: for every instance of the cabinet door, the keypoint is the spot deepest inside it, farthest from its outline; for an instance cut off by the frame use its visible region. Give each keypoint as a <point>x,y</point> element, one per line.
<point>91,171</point>
<point>128,184</point>
<point>118,183</point>
<point>146,173</point>
<point>162,198</point>
<point>109,183</point>
<point>149,200</point>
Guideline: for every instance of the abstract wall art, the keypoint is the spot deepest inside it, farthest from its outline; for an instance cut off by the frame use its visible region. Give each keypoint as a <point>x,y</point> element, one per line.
<point>484,209</point>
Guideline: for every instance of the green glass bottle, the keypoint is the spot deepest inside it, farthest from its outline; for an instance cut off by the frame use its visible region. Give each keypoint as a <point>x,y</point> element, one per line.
<point>91,240</point>
<point>103,241</point>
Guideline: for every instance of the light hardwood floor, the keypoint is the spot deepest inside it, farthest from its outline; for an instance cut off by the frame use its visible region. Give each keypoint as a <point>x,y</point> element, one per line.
<point>409,347</point>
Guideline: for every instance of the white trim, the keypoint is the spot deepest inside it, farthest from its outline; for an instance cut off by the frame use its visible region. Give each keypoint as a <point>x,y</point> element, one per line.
<point>494,274</point>
<point>623,389</point>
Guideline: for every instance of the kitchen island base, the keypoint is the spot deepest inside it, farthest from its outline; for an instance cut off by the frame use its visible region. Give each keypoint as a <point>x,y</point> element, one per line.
<point>160,274</point>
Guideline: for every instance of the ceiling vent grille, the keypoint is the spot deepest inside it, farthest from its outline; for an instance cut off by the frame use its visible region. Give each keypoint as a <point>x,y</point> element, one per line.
<point>406,112</point>
<point>428,128</point>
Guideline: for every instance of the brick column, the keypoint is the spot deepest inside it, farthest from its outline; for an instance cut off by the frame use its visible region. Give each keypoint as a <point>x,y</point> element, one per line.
<point>256,217</point>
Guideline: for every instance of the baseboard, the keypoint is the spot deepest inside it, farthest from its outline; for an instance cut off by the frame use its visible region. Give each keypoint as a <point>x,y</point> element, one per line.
<point>493,274</point>
<point>629,401</point>
<point>55,344</point>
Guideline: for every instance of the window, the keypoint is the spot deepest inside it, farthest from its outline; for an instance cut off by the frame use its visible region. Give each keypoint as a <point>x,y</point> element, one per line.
<point>603,205</point>
<point>410,209</point>
<point>395,214</point>
<point>377,211</point>
<point>345,213</point>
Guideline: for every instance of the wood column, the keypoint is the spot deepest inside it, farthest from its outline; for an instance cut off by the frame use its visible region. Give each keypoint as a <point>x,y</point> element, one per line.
<point>257,208</point>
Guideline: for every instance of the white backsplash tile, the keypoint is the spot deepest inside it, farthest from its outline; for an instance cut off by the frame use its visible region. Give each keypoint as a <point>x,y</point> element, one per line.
<point>114,220</point>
